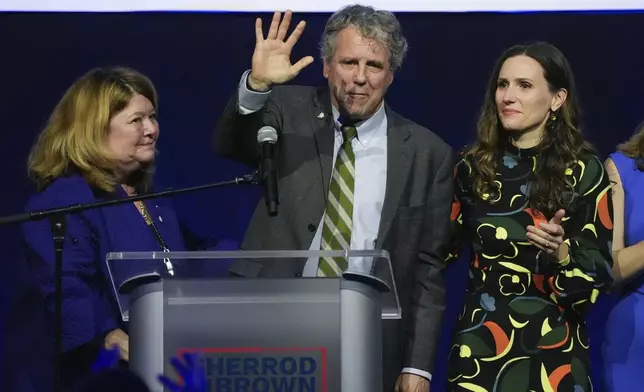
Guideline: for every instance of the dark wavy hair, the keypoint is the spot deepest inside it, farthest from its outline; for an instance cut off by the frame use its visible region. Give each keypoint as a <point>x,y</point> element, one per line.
<point>634,147</point>
<point>561,146</point>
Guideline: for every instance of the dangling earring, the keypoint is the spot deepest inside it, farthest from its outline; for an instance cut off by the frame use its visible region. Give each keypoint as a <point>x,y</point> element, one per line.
<point>550,124</point>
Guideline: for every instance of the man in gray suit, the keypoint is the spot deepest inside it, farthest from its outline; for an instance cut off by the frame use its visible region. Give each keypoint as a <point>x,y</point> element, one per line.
<point>352,173</point>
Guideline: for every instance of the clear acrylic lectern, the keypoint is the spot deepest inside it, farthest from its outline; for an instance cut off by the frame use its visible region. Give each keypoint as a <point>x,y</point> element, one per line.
<point>264,334</point>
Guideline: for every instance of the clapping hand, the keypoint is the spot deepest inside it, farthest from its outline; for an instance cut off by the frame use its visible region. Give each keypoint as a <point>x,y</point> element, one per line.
<point>191,371</point>
<point>549,237</point>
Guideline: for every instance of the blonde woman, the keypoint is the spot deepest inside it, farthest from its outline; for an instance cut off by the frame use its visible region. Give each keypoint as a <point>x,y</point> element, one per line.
<point>99,144</point>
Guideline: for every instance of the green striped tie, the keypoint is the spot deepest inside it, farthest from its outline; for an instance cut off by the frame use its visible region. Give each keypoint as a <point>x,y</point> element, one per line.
<point>338,218</point>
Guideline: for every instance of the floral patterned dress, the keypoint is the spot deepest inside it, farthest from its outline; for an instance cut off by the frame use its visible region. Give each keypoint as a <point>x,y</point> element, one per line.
<point>522,325</point>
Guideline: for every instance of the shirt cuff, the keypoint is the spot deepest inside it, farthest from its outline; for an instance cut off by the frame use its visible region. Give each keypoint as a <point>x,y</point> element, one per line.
<point>249,101</point>
<point>417,372</point>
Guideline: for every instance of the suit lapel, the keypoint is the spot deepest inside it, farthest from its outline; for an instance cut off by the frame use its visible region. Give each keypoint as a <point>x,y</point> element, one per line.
<point>399,158</point>
<point>321,117</point>
<point>126,228</point>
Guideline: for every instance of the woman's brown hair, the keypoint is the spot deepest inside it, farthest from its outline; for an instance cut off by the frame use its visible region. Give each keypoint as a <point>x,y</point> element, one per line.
<point>561,146</point>
<point>74,138</point>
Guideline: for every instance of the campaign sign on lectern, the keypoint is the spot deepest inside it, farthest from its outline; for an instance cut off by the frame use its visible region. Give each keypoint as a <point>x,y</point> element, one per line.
<point>265,368</point>
<point>264,334</point>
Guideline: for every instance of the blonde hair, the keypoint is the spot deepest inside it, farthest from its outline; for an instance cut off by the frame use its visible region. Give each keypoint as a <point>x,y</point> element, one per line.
<point>74,138</point>
<point>634,147</point>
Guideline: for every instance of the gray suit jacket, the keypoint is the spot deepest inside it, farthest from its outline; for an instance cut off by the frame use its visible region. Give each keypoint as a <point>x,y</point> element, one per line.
<point>414,224</point>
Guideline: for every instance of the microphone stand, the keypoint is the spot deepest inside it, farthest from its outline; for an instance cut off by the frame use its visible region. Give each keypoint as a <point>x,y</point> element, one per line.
<point>58,223</point>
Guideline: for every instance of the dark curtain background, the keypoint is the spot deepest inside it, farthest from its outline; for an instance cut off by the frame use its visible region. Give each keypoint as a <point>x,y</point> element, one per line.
<point>196,59</point>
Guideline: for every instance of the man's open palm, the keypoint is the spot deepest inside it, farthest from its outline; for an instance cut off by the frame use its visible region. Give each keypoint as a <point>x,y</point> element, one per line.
<point>272,57</point>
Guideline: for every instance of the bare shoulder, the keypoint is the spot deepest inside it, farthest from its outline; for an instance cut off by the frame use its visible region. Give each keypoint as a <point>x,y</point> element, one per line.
<point>610,167</point>
<point>613,173</point>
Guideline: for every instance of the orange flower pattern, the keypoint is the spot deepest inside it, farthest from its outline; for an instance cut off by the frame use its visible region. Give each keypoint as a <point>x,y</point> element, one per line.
<point>522,324</point>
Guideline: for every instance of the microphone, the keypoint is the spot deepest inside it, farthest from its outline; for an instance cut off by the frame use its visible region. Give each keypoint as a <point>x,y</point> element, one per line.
<point>267,138</point>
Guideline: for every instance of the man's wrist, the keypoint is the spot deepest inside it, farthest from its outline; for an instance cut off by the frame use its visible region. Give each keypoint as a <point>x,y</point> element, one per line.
<point>256,85</point>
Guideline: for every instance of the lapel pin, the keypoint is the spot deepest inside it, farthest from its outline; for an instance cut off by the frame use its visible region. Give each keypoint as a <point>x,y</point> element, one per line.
<point>321,115</point>
<point>160,219</point>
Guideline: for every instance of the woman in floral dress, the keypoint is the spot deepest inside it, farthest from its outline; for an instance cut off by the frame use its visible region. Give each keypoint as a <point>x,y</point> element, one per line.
<point>533,202</point>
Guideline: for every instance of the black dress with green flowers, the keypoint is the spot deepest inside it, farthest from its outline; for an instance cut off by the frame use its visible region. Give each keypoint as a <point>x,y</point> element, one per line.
<point>522,325</point>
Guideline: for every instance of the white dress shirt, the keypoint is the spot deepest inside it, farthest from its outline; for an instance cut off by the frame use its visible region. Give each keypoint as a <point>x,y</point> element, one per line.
<point>370,150</point>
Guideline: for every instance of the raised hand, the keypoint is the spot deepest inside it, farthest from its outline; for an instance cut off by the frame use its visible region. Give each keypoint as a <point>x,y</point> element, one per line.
<point>191,371</point>
<point>272,56</point>
<point>107,359</point>
<point>549,237</point>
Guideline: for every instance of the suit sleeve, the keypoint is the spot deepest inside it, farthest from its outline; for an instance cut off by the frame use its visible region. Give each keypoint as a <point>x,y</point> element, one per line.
<point>80,255</point>
<point>195,241</point>
<point>235,134</point>
<point>576,281</point>
<point>428,301</point>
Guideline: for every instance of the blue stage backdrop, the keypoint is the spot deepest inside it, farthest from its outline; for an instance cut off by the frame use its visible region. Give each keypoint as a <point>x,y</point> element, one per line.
<point>196,60</point>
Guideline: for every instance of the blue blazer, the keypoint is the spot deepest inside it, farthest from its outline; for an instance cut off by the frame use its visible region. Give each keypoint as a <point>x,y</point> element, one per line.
<point>90,309</point>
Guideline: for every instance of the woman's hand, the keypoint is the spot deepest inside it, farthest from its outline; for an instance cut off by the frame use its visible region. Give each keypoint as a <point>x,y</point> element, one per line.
<point>191,371</point>
<point>549,237</point>
<point>106,359</point>
<point>118,338</point>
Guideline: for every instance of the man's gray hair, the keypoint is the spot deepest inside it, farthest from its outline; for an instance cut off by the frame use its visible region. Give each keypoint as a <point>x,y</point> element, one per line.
<point>380,25</point>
